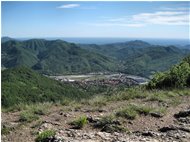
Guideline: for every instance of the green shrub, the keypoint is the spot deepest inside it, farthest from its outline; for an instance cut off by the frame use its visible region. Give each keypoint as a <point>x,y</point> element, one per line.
<point>79,123</point>
<point>45,135</point>
<point>177,77</point>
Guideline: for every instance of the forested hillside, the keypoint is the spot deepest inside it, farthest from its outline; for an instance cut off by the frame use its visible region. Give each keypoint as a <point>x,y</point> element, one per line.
<point>140,58</point>
<point>54,57</point>
<point>21,85</point>
<point>59,57</point>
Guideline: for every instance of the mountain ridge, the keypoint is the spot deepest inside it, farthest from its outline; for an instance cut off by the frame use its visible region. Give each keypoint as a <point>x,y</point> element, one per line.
<point>60,57</point>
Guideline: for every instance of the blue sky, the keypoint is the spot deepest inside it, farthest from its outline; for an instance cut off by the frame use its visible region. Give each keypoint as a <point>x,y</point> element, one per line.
<point>96,19</point>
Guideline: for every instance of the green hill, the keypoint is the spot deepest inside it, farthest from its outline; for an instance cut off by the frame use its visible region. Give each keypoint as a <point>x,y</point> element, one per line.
<point>14,53</point>
<point>59,57</point>
<point>140,58</point>
<point>6,38</point>
<point>22,85</point>
<point>54,57</point>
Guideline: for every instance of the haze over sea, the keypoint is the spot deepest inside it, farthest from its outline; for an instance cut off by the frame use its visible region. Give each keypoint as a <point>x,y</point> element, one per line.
<point>104,40</point>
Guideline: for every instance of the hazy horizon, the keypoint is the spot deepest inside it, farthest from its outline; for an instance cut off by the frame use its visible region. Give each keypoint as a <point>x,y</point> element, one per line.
<point>109,40</point>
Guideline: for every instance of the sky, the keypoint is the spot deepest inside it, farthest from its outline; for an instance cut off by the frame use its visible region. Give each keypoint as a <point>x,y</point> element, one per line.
<point>96,19</point>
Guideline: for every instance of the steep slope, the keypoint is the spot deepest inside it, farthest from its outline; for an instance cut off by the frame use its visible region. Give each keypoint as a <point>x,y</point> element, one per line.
<point>150,59</point>
<point>54,57</point>
<point>22,85</point>
<point>13,53</point>
<point>62,57</point>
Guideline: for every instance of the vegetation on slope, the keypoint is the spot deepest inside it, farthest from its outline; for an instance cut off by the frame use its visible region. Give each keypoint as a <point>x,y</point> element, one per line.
<point>54,57</point>
<point>177,76</point>
<point>60,57</point>
<point>140,58</point>
<point>22,85</point>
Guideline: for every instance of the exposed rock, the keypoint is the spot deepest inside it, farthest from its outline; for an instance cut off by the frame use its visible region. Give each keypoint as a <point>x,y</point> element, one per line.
<point>167,128</point>
<point>93,136</point>
<point>156,114</point>
<point>185,120</point>
<point>172,127</point>
<point>113,128</point>
<point>148,133</point>
<point>92,120</point>
<point>184,113</point>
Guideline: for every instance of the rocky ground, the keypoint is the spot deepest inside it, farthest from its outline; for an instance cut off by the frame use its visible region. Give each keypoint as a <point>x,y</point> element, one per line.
<point>173,126</point>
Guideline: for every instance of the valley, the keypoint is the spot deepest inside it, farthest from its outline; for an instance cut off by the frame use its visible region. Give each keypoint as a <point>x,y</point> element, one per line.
<point>96,107</point>
<point>60,92</point>
<point>103,79</point>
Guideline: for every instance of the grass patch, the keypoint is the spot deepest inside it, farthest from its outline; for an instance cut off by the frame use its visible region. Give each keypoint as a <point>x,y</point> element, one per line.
<point>157,97</point>
<point>98,101</point>
<point>160,111</point>
<point>45,136</point>
<point>41,108</point>
<point>32,112</point>
<point>26,116</point>
<point>6,130</point>
<point>79,123</point>
<point>132,111</point>
<point>128,112</point>
<point>145,110</point>
<point>175,101</point>
<point>37,124</point>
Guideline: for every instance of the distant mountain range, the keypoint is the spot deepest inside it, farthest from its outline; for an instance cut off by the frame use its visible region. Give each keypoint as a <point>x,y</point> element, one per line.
<point>139,57</point>
<point>6,38</point>
<point>60,57</point>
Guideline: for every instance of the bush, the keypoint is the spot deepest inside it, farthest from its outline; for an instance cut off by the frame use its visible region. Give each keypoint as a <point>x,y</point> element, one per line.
<point>79,123</point>
<point>178,76</point>
<point>45,136</point>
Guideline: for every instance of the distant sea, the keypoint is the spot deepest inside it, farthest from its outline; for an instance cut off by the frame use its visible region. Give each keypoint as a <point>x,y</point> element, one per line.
<point>84,40</point>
